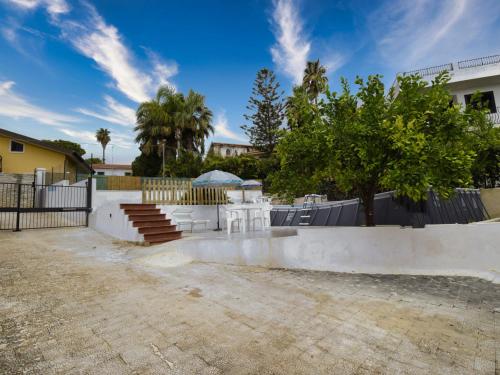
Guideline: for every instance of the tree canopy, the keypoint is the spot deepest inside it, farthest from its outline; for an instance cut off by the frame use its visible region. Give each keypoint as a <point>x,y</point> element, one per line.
<point>68,145</point>
<point>367,142</point>
<point>315,81</point>
<point>175,124</point>
<point>103,137</point>
<point>267,112</point>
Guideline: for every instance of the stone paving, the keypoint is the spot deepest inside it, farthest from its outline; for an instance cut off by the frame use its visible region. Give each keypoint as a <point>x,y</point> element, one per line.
<point>75,302</point>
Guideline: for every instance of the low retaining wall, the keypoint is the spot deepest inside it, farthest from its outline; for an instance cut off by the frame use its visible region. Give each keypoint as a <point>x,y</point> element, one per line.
<point>491,200</point>
<point>110,219</point>
<point>451,249</point>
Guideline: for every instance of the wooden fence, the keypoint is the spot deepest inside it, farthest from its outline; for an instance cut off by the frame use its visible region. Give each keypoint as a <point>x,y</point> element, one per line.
<point>181,192</point>
<point>118,182</point>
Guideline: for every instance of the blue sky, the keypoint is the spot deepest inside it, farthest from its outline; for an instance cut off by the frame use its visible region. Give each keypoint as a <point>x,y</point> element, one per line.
<point>70,67</point>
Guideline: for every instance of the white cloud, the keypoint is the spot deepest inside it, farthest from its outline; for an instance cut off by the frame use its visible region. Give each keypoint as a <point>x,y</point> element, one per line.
<point>102,43</point>
<point>222,130</point>
<point>114,112</point>
<point>54,7</point>
<point>424,32</point>
<point>15,106</point>
<point>117,139</point>
<point>291,51</point>
<point>87,31</point>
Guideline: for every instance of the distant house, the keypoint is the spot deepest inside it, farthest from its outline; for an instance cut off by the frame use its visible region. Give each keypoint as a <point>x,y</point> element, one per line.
<point>112,169</point>
<point>20,154</point>
<point>467,77</point>
<point>230,149</point>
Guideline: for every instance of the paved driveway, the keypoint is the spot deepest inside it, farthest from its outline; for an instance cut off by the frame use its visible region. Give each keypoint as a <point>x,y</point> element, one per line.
<point>73,301</point>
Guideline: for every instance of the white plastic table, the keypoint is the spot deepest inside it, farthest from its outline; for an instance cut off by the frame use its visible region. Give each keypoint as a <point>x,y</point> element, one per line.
<point>246,208</point>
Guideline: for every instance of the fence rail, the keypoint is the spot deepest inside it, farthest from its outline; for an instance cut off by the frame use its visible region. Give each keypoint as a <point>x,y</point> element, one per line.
<point>495,59</point>
<point>118,182</point>
<point>31,206</point>
<point>181,192</point>
<point>431,70</point>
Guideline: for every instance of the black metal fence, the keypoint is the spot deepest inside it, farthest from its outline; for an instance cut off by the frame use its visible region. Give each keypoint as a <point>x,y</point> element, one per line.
<point>464,207</point>
<point>487,60</point>
<point>431,70</point>
<point>32,206</point>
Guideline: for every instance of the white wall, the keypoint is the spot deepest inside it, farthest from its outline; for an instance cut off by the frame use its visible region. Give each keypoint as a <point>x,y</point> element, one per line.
<point>236,196</point>
<point>110,219</point>
<point>451,249</point>
<point>114,172</point>
<point>199,212</point>
<point>470,89</point>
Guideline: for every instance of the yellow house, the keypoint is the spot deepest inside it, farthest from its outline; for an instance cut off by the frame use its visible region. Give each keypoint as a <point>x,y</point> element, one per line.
<point>20,154</point>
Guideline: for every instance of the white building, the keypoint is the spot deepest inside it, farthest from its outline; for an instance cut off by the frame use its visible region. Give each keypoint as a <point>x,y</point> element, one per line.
<point>230,149</point>
<point>112,169</point>
<point>467,77</point>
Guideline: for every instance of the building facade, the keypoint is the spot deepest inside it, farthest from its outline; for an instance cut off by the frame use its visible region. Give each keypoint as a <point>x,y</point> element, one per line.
<point>467,77</point>
<point>21,155</point>
<point>230,149</point>
<point>112,169</point>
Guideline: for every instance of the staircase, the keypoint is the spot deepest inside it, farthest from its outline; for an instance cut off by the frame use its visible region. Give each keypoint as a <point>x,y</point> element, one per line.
<point>151,223</point>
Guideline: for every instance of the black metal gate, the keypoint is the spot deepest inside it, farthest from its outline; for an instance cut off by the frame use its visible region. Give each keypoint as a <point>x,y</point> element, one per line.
<point>32,206</point>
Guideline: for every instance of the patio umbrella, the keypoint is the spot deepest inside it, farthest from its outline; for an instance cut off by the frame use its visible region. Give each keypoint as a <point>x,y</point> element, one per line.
<point>217,178</point>
<point>249,184</point>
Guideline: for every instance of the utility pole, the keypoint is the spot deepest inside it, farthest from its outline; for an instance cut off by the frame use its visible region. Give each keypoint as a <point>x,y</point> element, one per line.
<point>163,159</point>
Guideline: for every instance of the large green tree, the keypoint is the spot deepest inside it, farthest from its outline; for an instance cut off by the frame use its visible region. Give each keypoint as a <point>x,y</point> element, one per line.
<point>267,111</point>
<point>156,129</point>
<point>369,142</point>
<point>68,145</point>
<point>175,125</point>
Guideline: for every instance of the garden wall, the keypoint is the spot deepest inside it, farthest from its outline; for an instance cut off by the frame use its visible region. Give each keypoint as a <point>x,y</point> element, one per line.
<point>491,200</point>
<point>449,249</point>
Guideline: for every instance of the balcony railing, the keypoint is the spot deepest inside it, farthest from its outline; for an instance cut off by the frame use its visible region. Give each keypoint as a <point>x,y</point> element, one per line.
<point>464,64</point>
<point>488,60</point>
<point>431,70</point>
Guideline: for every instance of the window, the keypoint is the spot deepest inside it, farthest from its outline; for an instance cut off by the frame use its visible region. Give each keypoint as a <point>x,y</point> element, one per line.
<point>16,146</point>
<point>128,173</point>
<point>100,173</point>
<point>228,152</point>
<point>485,100</point>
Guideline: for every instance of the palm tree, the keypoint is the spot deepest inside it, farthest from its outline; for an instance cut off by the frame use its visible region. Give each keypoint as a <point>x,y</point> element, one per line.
<point>171,119</point>
<point>315,81</point>
<point>102,136</point>
<point>197,123</point>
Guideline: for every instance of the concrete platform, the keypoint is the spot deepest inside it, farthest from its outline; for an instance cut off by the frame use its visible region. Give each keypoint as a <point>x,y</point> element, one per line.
<point>75,301</point>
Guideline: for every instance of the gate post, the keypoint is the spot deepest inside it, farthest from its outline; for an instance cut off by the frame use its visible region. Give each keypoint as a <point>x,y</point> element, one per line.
<point>18,210</point>
<point>89,200</point>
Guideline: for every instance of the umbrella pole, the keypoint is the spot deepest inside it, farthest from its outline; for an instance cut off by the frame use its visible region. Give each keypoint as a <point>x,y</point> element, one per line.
<point>218,226</point>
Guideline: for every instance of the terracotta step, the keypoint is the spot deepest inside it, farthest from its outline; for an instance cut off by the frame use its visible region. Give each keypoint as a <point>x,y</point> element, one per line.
<point>137,206</point>
<point>158,229</point>
<point>151,223</point>
<point>163,237</point>
<point>134,211</point>
<point>145,217</point>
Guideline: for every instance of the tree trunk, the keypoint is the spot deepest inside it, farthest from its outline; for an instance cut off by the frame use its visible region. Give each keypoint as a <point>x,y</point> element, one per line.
<point>103,155</point>
<point>369,206</point>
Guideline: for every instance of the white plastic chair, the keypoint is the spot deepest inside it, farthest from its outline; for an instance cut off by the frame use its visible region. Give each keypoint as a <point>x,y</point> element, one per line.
<point>263,216</point>
<point>257,216</point>
<point>232,217</point>
<point>184,216</point>
<point>266,216</point>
